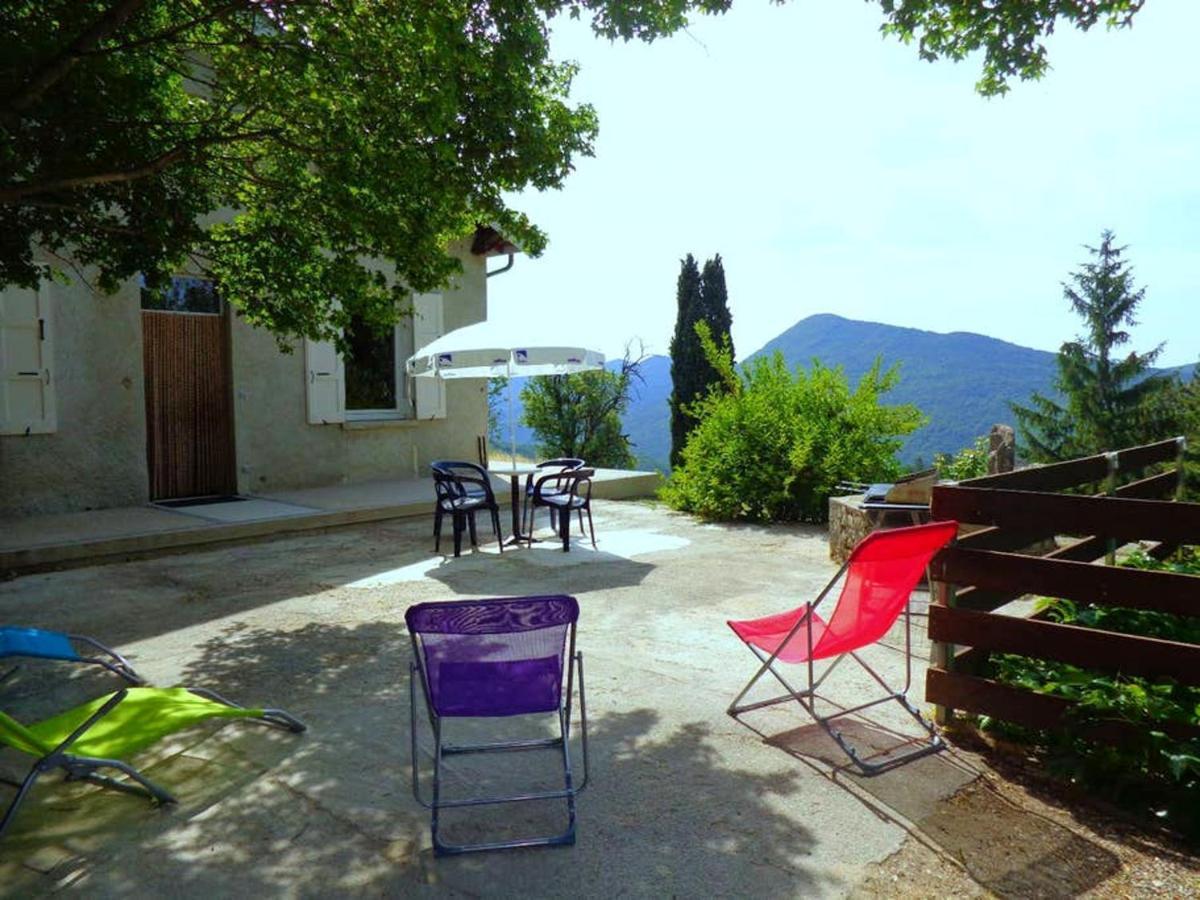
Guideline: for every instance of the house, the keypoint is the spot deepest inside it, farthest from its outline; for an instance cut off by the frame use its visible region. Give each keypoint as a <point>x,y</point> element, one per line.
<point>140,396</point>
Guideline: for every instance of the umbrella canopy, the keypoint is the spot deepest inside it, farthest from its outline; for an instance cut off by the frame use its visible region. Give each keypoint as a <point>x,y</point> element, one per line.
<point>495,349</point>
<point>499,349</point>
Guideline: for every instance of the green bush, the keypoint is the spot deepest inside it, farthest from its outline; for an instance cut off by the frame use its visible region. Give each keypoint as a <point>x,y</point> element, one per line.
<point>969,462</point>
<point>771,444</point>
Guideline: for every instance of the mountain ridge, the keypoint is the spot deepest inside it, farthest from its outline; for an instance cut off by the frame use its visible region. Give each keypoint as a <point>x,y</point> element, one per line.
<point>961,380</point>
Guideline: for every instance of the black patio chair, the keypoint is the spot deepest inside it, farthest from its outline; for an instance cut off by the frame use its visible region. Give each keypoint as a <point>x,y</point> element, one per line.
<point>564,493</point>
<point>562,464</point>
<point>462,488</point>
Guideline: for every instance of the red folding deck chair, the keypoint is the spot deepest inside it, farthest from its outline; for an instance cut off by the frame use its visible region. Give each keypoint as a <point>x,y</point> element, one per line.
<point>879,578</point>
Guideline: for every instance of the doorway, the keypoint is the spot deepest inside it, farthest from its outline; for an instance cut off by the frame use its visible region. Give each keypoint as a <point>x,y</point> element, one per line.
<point>189,391</point>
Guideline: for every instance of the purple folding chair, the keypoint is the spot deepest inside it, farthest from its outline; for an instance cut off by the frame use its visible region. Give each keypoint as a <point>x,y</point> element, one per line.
<point>490,659</point>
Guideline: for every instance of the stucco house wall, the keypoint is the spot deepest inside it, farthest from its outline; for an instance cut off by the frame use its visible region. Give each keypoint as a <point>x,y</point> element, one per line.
<point>97,456</point>
<point>278,449</point>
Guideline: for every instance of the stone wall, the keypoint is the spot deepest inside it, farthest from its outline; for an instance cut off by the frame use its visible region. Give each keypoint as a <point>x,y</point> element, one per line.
<point>848,524</point>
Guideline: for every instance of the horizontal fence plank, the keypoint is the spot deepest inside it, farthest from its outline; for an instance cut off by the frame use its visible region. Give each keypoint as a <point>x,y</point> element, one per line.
<point>1001,539</point>
<point>1075,472</point>
<point>1011,573</point>
<point>1117,517</point>
<point>1156,487</point>
<point>987,599</point>
<point>1087,647</point>
<point>1133,458</point>
<point>1085,550</point>
<point>1053,477</point>
<point>1029,709</point>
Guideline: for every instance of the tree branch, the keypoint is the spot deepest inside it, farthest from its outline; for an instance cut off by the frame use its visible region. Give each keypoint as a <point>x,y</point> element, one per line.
<point>57,67</point>
<point>16,194</point>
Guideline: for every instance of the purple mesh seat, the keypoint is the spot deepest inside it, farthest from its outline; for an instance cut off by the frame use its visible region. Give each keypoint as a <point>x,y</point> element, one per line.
<point>493,658</point>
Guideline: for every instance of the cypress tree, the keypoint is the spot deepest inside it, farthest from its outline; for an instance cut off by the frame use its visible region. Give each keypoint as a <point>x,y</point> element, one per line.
<point>1108,401</point>
<point>685,351</point>
<point>701,297</point>
<point>714,303</point>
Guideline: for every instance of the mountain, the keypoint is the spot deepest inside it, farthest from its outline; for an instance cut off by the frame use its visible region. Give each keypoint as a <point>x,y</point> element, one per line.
<point>961,381</point>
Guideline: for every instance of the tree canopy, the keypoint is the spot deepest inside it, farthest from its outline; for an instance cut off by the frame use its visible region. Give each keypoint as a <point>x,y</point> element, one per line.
<point>579,415</point>
<point>1109,401</point>
<point>1009,32</point>
<point>341,137</point>
<point>344,135</point>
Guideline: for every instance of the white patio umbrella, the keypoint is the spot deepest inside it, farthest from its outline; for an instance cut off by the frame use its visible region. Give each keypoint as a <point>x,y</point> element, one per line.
<point>499,349</point>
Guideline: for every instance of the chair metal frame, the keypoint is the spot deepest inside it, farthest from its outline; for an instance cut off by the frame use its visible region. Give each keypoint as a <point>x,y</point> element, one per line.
<point>806,696</point>
<point>115,662</point>
<point>570,791</point>
<point>84,768</point>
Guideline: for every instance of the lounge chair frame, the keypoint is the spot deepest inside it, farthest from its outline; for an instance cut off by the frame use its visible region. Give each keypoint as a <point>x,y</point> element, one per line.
<point>441,750</point>
<point>85,768</point>
<point>806,696</point>
<point>111,659</point>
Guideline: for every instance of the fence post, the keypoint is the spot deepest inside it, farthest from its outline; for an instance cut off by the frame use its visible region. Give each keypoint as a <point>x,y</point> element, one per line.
<point>1110,489</point>
<point>941,655</point>
<point>1181,453</point>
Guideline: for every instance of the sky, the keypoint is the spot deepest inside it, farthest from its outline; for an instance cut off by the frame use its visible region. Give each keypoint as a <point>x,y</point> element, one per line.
<point>836,172</point>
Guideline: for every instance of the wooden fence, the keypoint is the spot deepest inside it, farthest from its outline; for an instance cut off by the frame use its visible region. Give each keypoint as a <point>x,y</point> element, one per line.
<point>1017,515</point>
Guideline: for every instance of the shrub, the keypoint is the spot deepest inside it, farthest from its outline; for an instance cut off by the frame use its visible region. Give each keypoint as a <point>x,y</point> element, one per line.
<point>771,444</point>
<point>969,462</point>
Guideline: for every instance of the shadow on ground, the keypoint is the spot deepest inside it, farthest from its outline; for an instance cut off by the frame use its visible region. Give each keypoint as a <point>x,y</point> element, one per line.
<point>158,596</point>
<point>329,812</point>
<point>947,804</point>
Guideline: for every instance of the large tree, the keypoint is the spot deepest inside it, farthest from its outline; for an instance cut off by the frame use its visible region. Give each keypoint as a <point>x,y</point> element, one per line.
<point>579,415</point>
<point>1009,32</point>
<point>1108,401</point>
<point>342,132</point>
<point>700,296</point>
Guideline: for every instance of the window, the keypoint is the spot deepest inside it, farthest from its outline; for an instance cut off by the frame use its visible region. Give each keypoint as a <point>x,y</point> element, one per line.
<point>184,294</point>
<point>375,384</point>
<point>369,383</point>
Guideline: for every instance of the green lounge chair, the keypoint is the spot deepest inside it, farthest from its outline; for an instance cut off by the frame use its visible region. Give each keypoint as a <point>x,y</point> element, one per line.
<point>103,733</point>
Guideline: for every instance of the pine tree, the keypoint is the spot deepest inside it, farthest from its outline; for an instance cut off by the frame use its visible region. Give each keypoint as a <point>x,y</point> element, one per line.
<point>1108,401</point>
<point>701,297</point>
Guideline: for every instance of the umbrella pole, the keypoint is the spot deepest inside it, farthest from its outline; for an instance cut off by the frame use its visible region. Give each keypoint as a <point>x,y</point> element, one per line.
<point>512,422</point>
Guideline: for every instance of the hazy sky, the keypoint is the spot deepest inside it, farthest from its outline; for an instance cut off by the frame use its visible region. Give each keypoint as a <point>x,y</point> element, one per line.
<point>834,171</point>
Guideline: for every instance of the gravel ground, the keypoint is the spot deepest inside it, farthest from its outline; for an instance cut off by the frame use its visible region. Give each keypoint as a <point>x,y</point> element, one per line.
<point>1017,818</point>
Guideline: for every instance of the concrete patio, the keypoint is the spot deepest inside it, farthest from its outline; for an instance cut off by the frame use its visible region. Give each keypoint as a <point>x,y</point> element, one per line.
<point>61,540</point>
<point>683,801</point>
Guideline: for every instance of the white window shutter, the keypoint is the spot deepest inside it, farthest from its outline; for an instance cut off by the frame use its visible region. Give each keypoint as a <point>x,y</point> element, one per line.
<point>429,393</point>
<point>325,371</point>
<point>27,382</point>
